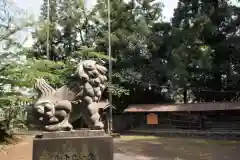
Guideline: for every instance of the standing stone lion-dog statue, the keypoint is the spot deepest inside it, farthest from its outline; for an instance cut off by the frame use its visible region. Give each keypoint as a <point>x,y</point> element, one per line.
<point>57,109</point>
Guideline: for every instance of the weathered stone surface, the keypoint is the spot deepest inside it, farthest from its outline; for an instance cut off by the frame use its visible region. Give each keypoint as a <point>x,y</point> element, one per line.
<point>77,133</point>
<point>56,109</point>
<point>73,148</point>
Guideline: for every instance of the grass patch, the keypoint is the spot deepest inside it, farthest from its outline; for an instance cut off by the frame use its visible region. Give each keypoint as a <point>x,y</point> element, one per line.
<point>138,137</point>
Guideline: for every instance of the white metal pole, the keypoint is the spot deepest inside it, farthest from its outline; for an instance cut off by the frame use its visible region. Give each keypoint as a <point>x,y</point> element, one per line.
<point>110,66</point>
<point>48,27</point>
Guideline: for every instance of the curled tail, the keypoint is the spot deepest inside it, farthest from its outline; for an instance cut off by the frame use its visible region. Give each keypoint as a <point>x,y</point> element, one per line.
<point>43,88</point>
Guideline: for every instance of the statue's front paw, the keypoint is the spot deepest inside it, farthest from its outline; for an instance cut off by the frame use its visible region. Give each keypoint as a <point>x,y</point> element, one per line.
<point>62,126</point>
<point>98,125</point>
<point>66,127</point>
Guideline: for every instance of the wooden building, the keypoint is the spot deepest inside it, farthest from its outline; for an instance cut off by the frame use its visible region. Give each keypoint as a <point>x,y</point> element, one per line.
<point>203,116</point>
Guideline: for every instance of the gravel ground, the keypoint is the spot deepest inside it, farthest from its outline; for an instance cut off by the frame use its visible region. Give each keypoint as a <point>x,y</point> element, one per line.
<point>162,148</point>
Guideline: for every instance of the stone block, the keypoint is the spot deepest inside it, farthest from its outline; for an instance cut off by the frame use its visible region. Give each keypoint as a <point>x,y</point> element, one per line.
<point>81,145</point>
<point>77,133</point>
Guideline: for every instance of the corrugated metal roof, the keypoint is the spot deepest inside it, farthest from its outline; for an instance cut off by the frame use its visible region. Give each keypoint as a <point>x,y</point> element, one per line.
<point>183,107</point>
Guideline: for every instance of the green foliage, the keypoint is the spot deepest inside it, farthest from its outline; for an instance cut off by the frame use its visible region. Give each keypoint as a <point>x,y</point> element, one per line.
<point>49,70</point>
<point>197,51</point>
<point>14,114</point>
<point>117,90</point>
<point>130,33</point>
<point>153,61</point>
<point>86,53</point>
<point>12,21</point>
<point>211,23</point>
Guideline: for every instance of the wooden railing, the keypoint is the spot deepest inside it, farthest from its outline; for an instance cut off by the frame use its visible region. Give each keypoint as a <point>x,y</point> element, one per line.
<point>197,121</point>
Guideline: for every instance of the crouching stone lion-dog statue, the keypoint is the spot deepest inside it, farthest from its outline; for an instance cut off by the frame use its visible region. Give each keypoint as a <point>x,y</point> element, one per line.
<point>57,109</point>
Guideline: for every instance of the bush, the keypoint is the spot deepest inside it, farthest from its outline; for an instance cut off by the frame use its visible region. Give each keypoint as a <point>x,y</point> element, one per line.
<point>12,117</point>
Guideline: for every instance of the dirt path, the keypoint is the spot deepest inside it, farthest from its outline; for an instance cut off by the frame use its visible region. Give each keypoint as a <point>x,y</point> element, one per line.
<point>23,151</point>
<point>148,149</point>
<point>20,151</point>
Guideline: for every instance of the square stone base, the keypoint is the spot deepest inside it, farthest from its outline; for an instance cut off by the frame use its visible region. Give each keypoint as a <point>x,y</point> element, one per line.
<point>86,147</point>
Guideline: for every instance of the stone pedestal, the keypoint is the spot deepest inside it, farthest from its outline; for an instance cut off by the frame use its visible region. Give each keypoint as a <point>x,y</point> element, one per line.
<point>73,145</point>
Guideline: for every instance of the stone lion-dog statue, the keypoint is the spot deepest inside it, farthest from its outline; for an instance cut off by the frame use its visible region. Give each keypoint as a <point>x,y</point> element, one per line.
<point>56,109</point>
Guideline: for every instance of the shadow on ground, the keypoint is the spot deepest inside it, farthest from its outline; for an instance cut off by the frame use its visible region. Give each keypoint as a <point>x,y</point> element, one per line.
<point>161,148</point>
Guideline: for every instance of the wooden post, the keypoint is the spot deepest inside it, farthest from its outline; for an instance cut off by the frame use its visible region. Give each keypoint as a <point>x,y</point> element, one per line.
<point>131,116</point>
<point>107,123</point>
